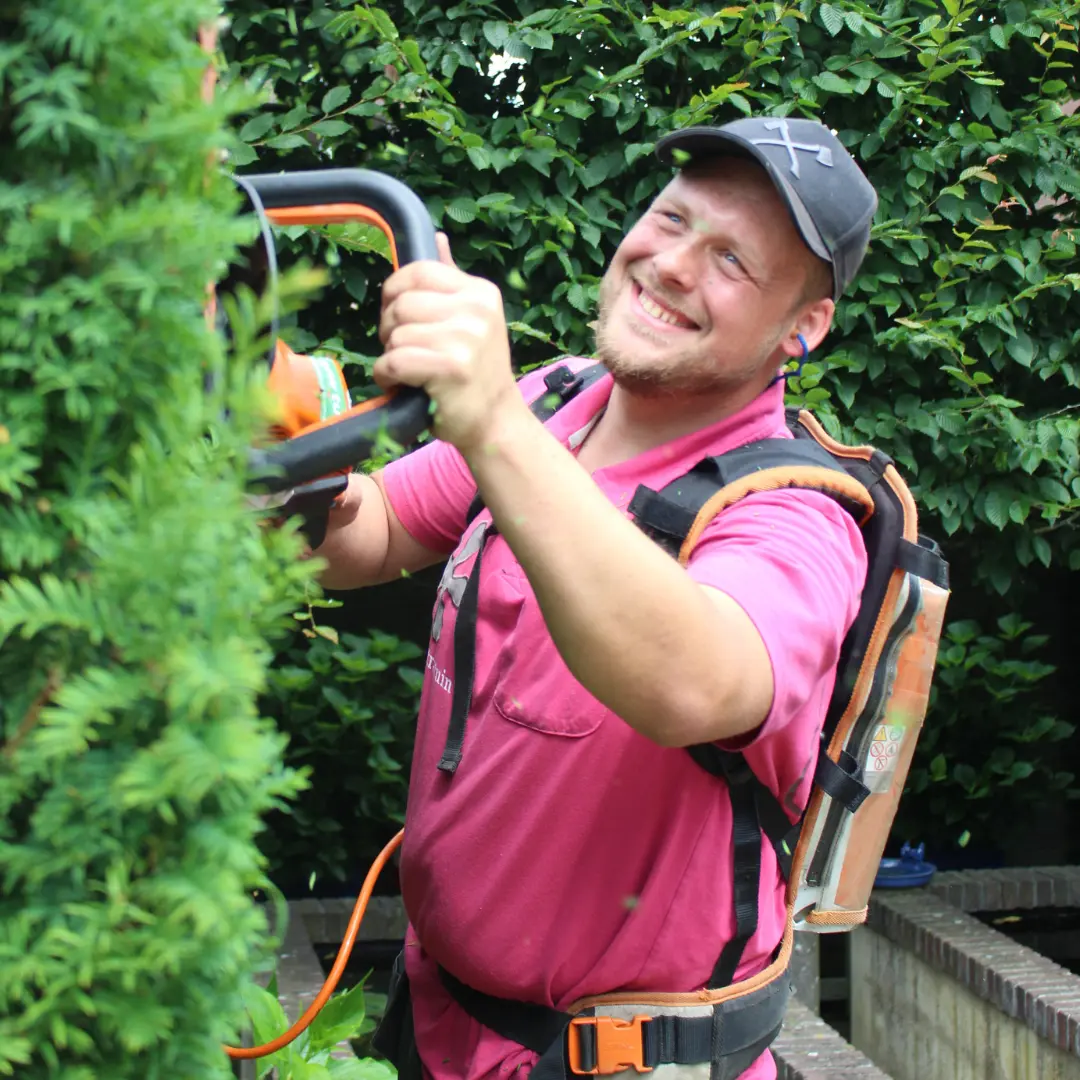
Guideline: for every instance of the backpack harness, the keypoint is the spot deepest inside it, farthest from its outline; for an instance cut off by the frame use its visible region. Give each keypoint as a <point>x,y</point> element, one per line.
<point>829,855</point>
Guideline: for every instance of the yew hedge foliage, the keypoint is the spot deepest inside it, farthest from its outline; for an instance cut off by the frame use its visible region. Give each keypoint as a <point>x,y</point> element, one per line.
<point>528,130</point>
<point>137,591</point>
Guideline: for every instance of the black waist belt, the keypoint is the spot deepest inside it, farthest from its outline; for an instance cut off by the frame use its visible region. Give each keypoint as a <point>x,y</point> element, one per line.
<point>732,1036</point>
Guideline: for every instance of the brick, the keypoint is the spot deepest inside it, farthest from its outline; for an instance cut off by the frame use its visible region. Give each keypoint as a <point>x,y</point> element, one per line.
<point>1044,888</point>
<point>1026,893</point>
<point>1073,1029</point>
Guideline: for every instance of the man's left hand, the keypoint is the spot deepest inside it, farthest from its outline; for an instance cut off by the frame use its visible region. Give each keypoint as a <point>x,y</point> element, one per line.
<point>445,330</point>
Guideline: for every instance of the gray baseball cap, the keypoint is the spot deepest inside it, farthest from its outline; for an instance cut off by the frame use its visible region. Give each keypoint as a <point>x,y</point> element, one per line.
<point>830,199</point>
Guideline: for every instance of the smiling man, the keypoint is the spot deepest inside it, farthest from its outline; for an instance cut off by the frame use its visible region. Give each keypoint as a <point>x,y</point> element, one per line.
<point>560,841</point>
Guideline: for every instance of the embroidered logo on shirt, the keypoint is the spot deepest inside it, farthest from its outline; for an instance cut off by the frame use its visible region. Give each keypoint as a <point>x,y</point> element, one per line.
<point>454,580</point>
<point>438,676</point>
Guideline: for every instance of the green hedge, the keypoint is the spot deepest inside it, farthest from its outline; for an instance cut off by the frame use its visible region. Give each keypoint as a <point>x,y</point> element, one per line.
<point>528,130</point>
<point>136,589</point>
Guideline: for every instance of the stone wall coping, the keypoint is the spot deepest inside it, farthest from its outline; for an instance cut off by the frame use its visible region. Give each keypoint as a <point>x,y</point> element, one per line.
<point>808,1049</point>
<point>1011,888</point>
<point>1021,982</point>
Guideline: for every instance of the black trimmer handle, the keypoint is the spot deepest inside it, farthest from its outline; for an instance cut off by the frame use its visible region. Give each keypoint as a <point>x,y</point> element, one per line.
<point>323,196</point>
<point>341,444</point>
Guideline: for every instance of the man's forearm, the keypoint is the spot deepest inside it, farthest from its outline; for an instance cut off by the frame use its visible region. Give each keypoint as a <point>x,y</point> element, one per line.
<point>630,623</point>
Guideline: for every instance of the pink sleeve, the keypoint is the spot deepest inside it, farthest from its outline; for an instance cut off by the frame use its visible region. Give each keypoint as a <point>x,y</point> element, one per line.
<point>431,488</point>
<point>430,491</point>
<point>795,562</point>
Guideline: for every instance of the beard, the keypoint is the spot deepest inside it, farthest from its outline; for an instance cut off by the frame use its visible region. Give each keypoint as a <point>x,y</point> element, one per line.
<point>687,372</point>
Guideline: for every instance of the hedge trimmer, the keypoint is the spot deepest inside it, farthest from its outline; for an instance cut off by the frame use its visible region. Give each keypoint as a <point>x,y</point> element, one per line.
<point>323,434</point>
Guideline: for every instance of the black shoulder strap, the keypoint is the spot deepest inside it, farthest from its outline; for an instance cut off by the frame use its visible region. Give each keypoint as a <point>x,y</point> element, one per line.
<point>560,386</point>
<point>667,515</point>
<point>754,810</point>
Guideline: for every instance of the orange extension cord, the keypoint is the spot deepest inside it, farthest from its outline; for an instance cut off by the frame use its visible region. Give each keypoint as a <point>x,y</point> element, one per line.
<point>243,1052</point>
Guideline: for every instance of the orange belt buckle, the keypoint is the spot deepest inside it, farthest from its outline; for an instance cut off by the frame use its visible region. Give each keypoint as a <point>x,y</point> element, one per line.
<point>602,1045</point>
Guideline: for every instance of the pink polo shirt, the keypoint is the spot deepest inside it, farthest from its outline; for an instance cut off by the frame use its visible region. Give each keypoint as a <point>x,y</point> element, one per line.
<point>570,855</point>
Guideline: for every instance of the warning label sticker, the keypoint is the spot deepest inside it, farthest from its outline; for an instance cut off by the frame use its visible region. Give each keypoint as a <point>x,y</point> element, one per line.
<point>883,757</point>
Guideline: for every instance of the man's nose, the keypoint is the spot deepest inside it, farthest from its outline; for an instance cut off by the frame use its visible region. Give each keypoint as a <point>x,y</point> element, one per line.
<point>676,266</point>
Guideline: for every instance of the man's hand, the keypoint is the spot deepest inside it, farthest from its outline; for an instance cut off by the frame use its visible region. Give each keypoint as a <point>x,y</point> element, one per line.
<point>445,330</point>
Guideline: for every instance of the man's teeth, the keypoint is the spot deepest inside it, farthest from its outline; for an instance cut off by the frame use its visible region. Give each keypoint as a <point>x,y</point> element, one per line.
<point>658,312</point>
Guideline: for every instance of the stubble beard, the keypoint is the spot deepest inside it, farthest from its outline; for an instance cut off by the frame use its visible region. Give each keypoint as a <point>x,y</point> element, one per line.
<point>688,372</point>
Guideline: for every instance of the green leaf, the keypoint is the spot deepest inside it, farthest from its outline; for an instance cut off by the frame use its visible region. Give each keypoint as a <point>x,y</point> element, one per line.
<point>383,24</point>
<point>538,39</point>
<point>964,775</point>
<point>360,1069</point>
<point>997,36</point>
<point>267,1017</point>
<point>462,210</point>
<point>497,32</point>
<point>1021,348</point>
<point>996,508</point>
<point>330,128</point>
<point>340,1019</point>
<point>981,99</point>
<point>289,141</point>
<point>411,51</point>
<point>829,80</point>
<point>479,156</point>
<point>1053,491</point>
<point>1041,547</point>
<point>831,18</point>
<point>257,127</point>
<point>242,155</point>
<point>335,97</point>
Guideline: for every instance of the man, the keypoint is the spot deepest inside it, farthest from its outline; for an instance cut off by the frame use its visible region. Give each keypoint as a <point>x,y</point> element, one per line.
<point>560,841</point>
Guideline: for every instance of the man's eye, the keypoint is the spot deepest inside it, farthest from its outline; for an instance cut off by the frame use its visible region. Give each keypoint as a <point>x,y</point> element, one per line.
<point>674,218</point>
<point>733,259</point>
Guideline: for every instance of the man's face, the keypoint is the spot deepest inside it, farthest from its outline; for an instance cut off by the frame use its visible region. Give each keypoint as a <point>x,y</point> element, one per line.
<point>705,287</point>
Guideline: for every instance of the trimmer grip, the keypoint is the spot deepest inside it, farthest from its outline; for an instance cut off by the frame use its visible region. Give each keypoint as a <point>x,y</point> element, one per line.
<point>337,446</point>
<point>326,196</point>
<point>411,230</point>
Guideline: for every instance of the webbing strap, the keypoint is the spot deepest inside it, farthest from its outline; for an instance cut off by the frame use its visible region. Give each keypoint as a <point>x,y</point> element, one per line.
<point>746,841</point>
<point>663,519</point>
<point>464,658</point>
<point>924,560</point>
<point>773,820</point>
<point>533,1026</point>
<point>840,780</point>
<point>676,1040</point>
<point>562,386</point>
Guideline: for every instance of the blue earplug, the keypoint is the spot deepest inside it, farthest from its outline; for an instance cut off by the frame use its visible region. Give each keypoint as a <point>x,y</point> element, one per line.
<point>805,355</point>
<point>785,375</point>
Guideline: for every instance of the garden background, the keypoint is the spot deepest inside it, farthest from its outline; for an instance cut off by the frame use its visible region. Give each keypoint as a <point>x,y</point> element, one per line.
<point>528,131</point>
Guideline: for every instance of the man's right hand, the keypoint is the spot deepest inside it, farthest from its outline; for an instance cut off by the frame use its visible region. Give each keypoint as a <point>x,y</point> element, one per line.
<point>344,509</point>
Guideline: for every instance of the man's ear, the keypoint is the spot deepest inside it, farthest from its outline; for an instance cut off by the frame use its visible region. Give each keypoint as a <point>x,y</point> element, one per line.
<point>813,323</point>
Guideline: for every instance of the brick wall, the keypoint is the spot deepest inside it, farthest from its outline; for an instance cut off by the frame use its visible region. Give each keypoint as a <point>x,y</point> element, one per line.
<point>936,991</point>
